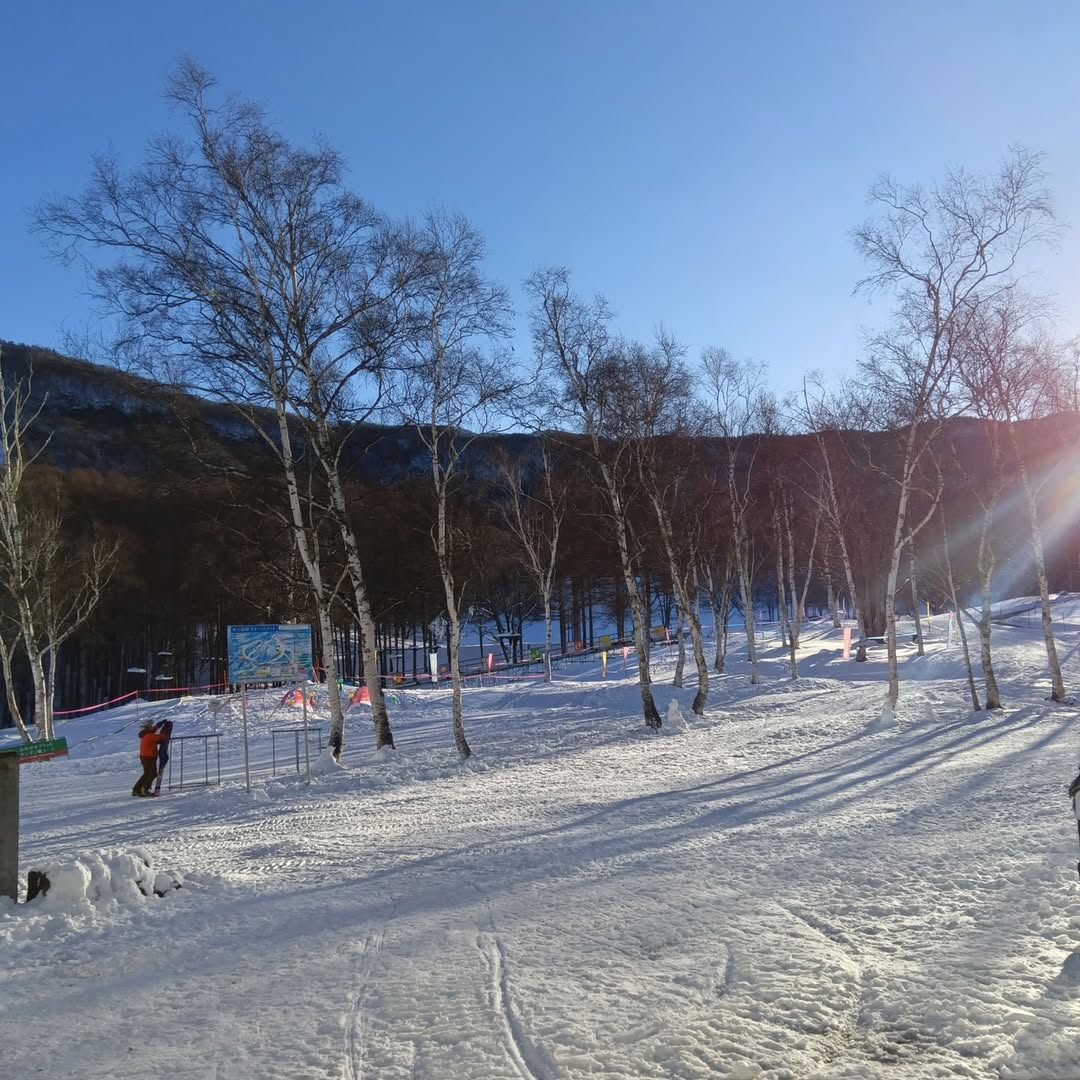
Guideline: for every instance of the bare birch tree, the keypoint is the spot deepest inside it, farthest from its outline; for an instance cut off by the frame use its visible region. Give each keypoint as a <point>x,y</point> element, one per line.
<point>664,417</point>
<point>50,584</point>
<point>582,364</point>
<point>242,269</point>
<point>823,419</point>
<point>717,573</point>
<point>453,379</point>
<point>534,515</point>
<point>736,400</point>
<point>941,252</point>
<point>1012,373</point>
<point>958,610</point>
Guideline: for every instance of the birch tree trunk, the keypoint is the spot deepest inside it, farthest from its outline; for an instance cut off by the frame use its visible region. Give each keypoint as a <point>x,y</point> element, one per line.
<point>638,612</point>
<point>899,533</point>
<point>547,637</point>
<point>6,655</point>
<point>972,688</point>
<point>42,716</point>
<point>915,598</point>
<point>680,661</point>
<point>798,598</point>
<point>833,602</point>
<point>697,640</point>
<point>787,637</point>
<point>688,610</point>
<point>313,567</point>
<point>1057,683</point>
<point>986,563</point>
<point>747,594</point>
<point>368,636</point>
<point>719,654</point>
<point>721,614</point>
<point>454,649</point>
<point>838,531</point>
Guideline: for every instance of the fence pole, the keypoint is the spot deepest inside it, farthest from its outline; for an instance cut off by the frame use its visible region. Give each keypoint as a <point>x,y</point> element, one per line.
<point>243,712</point>
<point>307,750</point>
<point>9,826</point>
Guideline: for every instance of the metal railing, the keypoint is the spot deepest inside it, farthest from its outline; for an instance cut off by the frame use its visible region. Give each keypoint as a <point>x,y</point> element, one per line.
<point>206,781</point>
<point>296,732</point>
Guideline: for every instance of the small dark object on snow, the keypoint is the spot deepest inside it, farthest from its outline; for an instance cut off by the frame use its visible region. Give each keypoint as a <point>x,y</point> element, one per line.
<point>37,884</point>
<point>860,653</point>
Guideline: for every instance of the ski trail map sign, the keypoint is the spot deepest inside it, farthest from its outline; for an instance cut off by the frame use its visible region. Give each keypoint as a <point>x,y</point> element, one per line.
<point>269,653</point>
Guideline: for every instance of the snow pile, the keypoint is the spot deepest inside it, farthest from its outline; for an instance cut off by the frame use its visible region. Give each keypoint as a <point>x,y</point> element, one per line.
<point>97,877</point>
<point>326,764</point>
<point>675,721</point>
<point>885,719</point>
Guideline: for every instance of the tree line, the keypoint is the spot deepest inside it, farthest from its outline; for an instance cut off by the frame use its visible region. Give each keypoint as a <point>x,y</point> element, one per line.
<point>241,270</point>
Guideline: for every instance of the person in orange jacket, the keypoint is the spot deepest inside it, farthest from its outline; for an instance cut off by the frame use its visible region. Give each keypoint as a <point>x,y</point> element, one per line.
<point>149,740</point>
<point>164,730</point>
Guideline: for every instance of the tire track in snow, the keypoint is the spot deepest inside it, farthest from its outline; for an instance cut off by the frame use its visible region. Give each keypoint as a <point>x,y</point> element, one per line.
<point>518,1046</point>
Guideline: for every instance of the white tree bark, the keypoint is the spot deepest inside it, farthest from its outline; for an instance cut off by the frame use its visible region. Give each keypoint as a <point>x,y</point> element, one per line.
<point>303,541</point>
<point>1057,683</point>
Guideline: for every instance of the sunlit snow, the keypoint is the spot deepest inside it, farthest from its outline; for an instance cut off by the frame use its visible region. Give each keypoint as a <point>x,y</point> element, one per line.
<point>791,886</point>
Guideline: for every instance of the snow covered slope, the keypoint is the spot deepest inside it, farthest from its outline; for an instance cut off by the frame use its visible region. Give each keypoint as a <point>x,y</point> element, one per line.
<point>784,890</point>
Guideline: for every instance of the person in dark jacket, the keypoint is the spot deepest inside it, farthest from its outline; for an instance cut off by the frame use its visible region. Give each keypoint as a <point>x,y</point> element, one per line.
<point>164,731</point>
<point>149,740</point>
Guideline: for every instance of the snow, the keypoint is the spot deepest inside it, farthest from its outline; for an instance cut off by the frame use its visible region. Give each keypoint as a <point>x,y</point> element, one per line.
<point>792,889</point>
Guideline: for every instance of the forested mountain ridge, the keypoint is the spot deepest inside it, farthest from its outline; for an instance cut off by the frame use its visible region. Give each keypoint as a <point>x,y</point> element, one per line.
<point>98,417</point>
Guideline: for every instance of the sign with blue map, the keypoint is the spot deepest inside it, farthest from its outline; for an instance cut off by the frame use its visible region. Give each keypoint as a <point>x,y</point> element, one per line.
<point>269,653</point>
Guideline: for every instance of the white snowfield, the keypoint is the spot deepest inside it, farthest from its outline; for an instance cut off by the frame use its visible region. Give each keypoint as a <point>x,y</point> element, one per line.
<point>787,889</point>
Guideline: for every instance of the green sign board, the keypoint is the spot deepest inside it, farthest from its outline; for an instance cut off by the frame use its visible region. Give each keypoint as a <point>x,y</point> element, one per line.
<point>39,751</point>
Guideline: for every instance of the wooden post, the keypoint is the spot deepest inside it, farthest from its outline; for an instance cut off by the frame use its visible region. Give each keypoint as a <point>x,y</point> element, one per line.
<point>9,826</point>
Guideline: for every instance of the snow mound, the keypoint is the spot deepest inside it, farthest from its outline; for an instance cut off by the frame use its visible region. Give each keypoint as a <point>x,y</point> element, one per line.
<point>885,720</point>
<point>326,764</point>
<point>97,877</point>
<point>675,720</point>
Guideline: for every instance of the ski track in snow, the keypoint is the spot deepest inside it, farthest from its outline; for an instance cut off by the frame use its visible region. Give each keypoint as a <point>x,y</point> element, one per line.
<point>355,1038</point>
<point>518,1048</point>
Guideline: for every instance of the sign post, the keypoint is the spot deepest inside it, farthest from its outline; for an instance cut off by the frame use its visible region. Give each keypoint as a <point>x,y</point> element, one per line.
<point>9,826</point>
<point>243,713</point>
<point>307,751</point>
<point>271,653</point>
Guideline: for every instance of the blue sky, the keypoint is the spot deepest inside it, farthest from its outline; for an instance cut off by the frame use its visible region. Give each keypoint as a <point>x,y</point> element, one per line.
<point>699,163</point>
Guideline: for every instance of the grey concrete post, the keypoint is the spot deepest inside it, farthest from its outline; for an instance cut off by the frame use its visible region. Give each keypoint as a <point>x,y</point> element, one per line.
<point>9,826</point>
